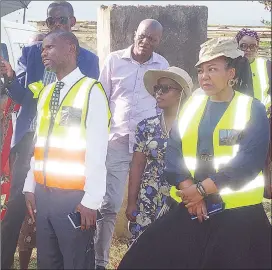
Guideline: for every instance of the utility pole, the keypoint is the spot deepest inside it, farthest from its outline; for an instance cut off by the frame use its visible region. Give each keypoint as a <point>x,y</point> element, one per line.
<point>24,15</point>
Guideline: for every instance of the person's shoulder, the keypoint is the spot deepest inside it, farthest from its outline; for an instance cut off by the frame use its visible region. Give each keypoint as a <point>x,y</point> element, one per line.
<point>117,54</point>
<point>159,58</point>
<point>258,108</point>
<point>114,56</point>
<point>268,63</point>
<point>88,54</point>
<point>29,48</point>
<point>256,104</point>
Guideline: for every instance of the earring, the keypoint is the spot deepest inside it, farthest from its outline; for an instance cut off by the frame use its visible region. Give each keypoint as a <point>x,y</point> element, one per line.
<point>231,82</point>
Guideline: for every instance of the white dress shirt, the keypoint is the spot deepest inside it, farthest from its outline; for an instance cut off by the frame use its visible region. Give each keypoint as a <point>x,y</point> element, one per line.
<point>130,103</point>
<point>96,145</point>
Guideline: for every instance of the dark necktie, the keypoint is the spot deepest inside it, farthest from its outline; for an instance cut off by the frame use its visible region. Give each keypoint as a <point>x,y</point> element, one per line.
<point>48,77</point>
<point>54,104</point>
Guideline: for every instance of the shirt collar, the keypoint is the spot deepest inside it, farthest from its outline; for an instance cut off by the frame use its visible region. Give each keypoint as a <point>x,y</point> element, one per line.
<point>127,55</point>
<point>70,79</point>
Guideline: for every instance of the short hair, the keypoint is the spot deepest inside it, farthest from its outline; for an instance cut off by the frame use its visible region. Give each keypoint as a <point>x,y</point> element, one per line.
<point>63,4</point>
<point>66,36</point>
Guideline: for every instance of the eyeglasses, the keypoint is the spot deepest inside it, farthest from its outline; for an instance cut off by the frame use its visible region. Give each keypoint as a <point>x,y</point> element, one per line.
<point>245,46</point>
<point>51,21</point>
<point>163,89</point>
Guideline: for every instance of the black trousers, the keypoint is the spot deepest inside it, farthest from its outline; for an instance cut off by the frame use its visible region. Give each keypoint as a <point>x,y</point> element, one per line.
<point>16,207</point>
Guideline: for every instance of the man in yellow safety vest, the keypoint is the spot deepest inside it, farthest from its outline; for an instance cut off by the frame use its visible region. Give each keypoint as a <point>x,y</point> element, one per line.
<point>67,173</point>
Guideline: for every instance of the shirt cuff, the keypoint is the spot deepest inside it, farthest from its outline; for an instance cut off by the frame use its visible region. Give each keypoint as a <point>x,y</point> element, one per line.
<point>217,181</point>
<point>29,186</point>
<point>88,202</point>
<point>182,177</point>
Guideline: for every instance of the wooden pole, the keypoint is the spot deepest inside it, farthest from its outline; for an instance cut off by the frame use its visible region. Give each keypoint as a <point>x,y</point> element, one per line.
<point>24,15</point>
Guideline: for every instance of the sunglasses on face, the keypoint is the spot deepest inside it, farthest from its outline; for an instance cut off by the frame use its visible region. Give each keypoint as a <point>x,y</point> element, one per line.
<point>51,21</point>
<point>252,47</point>
<point>163,89</point>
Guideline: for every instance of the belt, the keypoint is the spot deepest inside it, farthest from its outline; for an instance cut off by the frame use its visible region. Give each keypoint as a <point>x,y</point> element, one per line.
<point>206,157</point>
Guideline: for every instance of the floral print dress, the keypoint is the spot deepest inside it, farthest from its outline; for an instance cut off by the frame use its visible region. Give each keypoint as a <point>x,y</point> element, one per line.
<point>152,141</point>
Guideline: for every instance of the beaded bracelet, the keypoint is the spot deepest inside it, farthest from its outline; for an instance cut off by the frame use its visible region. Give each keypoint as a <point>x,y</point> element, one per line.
<point>201,190</point>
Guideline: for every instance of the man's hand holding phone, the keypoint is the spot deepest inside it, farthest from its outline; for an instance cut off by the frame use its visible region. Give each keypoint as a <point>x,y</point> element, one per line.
<point>88,217</point>
<point>5,68</point>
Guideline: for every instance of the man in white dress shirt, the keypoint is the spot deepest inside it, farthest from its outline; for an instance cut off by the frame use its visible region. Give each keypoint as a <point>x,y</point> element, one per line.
<point>130,103</point>
<point>67,172</point>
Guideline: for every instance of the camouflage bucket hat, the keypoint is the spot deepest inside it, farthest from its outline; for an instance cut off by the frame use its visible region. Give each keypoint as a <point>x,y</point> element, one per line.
<point>217,47</point>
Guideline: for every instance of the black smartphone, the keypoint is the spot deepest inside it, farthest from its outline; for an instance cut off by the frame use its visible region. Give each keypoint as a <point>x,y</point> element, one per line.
<point>75,218</point>
<point>214,205</point>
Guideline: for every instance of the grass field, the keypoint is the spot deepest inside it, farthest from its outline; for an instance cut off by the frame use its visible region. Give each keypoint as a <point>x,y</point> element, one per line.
<point>119,246</point>
<point>117,252</point>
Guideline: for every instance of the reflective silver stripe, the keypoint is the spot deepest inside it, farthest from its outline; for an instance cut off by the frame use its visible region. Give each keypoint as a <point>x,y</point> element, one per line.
<point>81,94</point>
<point>261,71</point>
<point>61,168</point>
<point>256,183</point>
<point>267,100</point>
<point>71,143</point>
<point>189,113</point>
<point>43,96</point>
<point>241,112</point>
<point>240,122</point>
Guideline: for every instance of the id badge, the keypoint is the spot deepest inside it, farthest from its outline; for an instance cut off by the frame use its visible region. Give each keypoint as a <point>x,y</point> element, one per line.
<point>70,116</point>
<point>229,137</point>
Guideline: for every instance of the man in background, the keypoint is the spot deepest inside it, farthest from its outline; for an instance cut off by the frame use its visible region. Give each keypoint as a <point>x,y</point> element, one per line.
<point>122,78</point>
<point>27,237</point>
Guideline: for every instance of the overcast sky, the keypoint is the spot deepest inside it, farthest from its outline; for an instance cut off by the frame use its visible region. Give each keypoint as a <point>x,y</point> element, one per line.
<point>220,12</point>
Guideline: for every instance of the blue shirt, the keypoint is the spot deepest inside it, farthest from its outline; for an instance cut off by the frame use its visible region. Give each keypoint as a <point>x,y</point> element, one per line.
<point>248,162</point>
<point>31,69</point>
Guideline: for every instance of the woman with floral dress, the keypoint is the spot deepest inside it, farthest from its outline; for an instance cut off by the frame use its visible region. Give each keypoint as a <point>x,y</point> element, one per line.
<point>148,191</point>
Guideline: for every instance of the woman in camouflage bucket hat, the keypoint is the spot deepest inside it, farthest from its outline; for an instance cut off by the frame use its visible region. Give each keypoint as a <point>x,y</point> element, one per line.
<point>237,238</point>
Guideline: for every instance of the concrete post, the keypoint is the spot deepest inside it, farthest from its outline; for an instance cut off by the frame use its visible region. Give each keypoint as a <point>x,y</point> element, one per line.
<point>185,28</point>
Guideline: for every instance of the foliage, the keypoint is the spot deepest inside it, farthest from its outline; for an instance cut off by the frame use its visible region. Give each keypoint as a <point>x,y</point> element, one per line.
<point>267,4</point>
<point>266,23</point>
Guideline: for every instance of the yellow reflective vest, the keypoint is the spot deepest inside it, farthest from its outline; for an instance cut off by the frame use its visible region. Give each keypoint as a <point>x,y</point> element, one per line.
<point>261,81</point>
<point>225,145</point>
<point>61,141</point>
